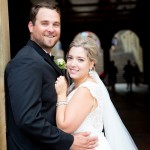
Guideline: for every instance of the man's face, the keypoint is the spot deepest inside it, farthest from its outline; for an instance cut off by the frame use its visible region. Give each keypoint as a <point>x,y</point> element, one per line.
<point>46,30</point>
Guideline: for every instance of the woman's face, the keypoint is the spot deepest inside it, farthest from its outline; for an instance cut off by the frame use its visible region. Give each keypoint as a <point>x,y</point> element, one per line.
<point>78,64</point>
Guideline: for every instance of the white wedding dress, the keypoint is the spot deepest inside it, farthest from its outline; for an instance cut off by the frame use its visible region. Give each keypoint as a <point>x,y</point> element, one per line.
<point>93,122</point>
<point>96,120</point>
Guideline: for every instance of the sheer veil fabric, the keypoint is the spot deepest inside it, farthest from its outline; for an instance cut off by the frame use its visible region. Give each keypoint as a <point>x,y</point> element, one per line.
<point>115,131</point>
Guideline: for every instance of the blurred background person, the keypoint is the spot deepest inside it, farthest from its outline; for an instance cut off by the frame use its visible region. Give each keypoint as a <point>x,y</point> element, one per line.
<point>137,74</point>
<point>112,75</point>
<point>128,75</point>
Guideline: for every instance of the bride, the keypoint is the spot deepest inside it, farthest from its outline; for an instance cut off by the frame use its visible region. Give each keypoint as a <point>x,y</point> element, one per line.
<point>86,105</point>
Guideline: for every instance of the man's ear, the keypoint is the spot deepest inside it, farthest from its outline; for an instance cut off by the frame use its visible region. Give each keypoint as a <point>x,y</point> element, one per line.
<point>30,26</point>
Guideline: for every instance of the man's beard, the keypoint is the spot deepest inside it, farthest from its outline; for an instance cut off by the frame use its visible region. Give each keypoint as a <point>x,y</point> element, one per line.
<point>48,46</point>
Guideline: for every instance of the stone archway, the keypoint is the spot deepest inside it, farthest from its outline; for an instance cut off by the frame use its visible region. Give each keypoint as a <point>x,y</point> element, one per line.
<point>126,46</point>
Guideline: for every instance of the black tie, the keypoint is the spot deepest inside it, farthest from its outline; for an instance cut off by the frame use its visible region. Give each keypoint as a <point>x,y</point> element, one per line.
<point>51,57</point>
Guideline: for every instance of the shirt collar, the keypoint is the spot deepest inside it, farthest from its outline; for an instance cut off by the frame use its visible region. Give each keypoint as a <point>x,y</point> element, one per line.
<point>47,52</point>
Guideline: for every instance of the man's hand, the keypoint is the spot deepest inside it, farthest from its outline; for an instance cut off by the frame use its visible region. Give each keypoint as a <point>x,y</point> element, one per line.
<point>83,141</point>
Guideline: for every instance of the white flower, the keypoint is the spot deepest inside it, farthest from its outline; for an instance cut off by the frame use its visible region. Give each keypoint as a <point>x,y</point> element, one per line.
<point>60,63</point>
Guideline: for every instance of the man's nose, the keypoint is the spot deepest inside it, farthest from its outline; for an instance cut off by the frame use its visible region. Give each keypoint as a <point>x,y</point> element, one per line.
<point>50,28</point>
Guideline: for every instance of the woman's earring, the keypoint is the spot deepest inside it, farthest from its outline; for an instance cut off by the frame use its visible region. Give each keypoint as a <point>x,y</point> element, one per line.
<point>90,73</point>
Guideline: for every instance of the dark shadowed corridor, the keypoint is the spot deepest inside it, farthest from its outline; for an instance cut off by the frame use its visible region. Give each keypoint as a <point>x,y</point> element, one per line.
<point>135,113</point>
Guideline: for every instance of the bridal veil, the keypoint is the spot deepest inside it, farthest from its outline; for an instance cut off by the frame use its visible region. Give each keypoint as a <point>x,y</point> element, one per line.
<point>115,131</point>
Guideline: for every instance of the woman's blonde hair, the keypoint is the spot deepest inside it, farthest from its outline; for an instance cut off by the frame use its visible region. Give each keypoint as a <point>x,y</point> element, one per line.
<point>88,44</point>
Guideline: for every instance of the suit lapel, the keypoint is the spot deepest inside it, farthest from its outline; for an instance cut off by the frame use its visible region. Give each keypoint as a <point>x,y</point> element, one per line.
<point>41,52</point>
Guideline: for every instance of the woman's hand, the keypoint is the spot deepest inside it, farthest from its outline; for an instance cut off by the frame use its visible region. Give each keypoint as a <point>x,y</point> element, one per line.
<point>61,87</point>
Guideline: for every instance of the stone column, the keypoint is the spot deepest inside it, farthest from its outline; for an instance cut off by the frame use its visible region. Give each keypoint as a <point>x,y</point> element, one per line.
<point>4,58</point>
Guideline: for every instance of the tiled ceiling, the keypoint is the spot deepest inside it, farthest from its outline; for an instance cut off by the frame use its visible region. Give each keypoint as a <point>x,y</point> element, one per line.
<point>100,9</point>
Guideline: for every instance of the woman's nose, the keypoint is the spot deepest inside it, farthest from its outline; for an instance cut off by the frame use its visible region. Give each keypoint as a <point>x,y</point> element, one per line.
<point>73,63</point>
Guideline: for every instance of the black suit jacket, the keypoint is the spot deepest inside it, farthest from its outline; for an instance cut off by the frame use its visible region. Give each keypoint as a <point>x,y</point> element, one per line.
<point>31,102</point>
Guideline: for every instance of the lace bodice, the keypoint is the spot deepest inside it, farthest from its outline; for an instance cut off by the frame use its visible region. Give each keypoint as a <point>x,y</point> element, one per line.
<point>93,122</point>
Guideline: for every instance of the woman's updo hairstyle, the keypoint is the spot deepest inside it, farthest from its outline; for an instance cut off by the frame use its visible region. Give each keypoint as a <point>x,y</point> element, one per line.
<point>89,45</point>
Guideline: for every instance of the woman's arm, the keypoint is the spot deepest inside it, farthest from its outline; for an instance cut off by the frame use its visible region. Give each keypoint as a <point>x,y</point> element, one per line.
<point>69,117</point>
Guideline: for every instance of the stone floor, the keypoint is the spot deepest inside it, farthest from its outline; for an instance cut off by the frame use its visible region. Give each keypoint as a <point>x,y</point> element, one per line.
<point>134,109</point>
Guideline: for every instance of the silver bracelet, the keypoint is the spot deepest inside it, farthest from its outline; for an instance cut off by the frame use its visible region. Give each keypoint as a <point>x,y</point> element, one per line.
<point>61,103</point>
